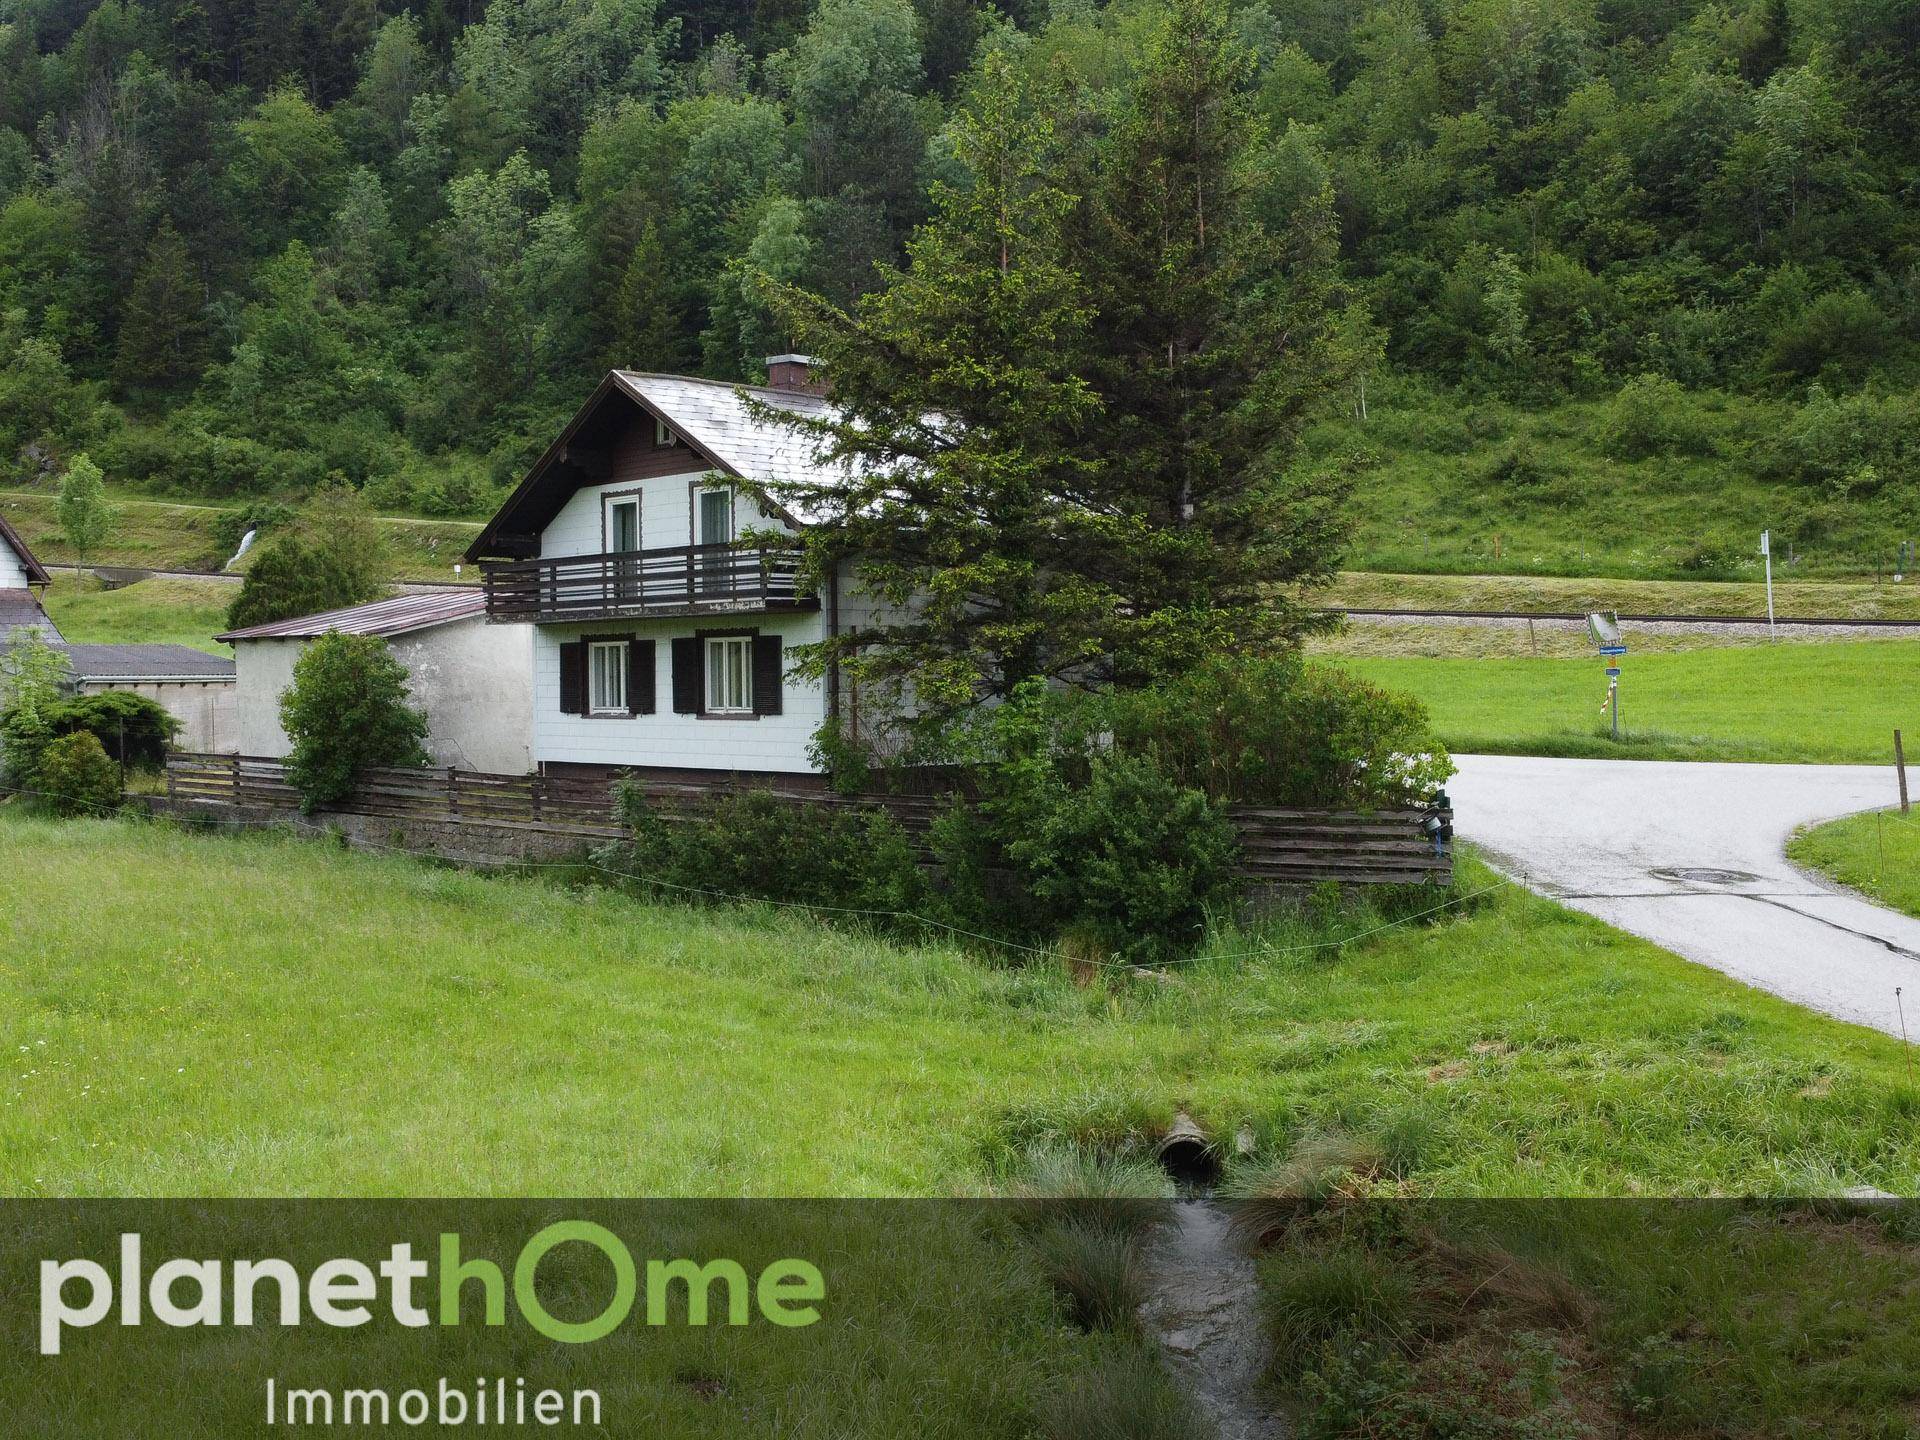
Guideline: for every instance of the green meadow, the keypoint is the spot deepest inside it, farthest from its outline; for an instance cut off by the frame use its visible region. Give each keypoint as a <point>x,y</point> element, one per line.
<point>1830,702</point>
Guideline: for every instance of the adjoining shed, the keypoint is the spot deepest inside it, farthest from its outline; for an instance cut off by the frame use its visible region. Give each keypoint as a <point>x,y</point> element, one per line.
<point>473,680</point>
<point>196,688</point>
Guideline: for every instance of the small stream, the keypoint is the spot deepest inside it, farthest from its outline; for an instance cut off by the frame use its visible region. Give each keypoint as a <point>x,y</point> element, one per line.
<point>1203,1307</point>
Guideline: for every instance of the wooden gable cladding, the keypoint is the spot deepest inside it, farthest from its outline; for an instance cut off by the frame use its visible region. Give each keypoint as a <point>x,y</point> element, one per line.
<point>612,438</point>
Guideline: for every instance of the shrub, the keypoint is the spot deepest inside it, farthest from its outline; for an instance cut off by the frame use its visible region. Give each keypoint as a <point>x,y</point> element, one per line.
<point>76,777</point>
<point>1842,330</point>
<point>762,846</point>
<point>1650,416</point>
<point>134,730</point>
<point>291,576</point>
<point>32,675</point>
<point>1845,443</point>
<point>1284,732</point>
<point>1067,835</point>
<point>347,708</point>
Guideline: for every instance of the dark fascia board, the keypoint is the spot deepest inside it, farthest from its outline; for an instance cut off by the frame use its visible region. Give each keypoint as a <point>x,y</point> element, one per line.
<point>508,518</point>
<point>36,572</point>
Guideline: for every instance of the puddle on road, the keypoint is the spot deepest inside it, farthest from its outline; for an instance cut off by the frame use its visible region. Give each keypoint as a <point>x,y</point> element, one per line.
<point>1204,1309</point>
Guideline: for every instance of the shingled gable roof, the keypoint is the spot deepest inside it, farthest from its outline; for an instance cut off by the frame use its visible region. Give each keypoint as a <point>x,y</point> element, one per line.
<point>10,537</point>
<point>711,416</point>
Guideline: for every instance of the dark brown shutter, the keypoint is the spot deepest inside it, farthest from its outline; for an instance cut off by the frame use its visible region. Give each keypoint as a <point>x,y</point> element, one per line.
<point>688,683</point>
<point>768,672</point>
<point>573,677</point>
<point>640,677</point>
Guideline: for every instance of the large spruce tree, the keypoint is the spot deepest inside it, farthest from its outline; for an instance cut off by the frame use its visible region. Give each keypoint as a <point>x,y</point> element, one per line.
<point>1070,420</point>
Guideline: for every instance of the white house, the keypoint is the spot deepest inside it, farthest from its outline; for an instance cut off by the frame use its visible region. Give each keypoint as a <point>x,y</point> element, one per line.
<point>473,680</point>
<point>657,645</point>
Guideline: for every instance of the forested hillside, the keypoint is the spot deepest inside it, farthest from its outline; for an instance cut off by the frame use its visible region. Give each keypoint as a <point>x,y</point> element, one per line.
<point>1646,262</point>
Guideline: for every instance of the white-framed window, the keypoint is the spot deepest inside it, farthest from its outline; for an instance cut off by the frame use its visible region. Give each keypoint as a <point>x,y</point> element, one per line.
<point>623,524</point>
<point>607,677</point>
<point>730,675</point>
<point>663,433</point>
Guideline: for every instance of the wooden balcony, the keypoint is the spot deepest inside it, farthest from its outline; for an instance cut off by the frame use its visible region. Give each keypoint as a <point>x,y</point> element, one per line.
<point>683,580</point>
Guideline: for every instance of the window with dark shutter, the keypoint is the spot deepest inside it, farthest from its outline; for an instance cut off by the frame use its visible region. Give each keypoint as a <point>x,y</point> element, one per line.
<point>573,677</point>
<point>688,682</point>
<point>640,677</point>
<point>768,671</point>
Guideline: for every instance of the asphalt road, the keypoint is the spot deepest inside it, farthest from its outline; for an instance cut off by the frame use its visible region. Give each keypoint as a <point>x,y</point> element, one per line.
<point>1692,857</point>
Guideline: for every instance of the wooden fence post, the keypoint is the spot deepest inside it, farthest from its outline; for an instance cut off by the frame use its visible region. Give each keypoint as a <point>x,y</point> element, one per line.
<point>453,792</point>
<point>1900,768</point>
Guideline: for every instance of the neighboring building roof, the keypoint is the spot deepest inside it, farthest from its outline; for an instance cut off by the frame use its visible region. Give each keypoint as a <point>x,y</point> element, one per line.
<point>711,416</point>
<point>21,610</point>
<point>126,663</point>
<point>398,616</point>
<point>10,537</point>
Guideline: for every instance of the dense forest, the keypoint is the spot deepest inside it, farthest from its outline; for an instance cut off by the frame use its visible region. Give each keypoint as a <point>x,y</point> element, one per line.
<point>247,246</point>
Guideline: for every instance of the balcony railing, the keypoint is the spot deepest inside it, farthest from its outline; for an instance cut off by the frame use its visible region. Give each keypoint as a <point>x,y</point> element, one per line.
<point>686,579</point>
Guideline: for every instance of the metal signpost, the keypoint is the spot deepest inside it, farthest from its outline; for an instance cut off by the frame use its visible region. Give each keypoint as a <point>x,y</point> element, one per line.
<point>1604,627</point>
<point>1766,553</point>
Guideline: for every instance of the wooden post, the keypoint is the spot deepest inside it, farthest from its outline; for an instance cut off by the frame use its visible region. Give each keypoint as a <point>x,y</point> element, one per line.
<point>1900,768</point>
<point>453,791</point>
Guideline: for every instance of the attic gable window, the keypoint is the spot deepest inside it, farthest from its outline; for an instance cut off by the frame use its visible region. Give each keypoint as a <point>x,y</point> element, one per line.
<point>663,435</point>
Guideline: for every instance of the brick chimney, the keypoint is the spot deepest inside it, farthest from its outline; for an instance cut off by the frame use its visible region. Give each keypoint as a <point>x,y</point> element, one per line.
<point>794,372</point>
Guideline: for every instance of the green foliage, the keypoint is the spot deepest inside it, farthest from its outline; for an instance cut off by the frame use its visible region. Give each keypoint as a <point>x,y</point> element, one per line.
<point>1125,1397</point>
<point>1652,415</point>
<point>1094,1270</point>
<point>760,846</point>
<point>336,556</point>
<point>134,730</point>
<point>1317,1296</point>
<point>163,332</point>
<point>33,676</point>
<point>1283,732</point>
<point>347,709</point>
<point>86,517</point>
<point>75,776</point>
<point>1066,836</point>
<point>1848,444</point>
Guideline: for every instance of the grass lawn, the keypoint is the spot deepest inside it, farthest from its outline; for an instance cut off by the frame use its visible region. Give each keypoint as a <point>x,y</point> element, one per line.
<point>206,1014</point>
<point>1806,599</point>
<point>1836,702</point>
<point>169,609</point>
<point>1877,854</point>
<point>175,535</point>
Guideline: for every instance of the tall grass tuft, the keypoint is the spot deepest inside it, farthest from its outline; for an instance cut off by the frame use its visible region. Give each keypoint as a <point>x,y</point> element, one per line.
<point>1094,1270</point>
<point>1314,1298</point>
<point>1124,1397</point>
<point>1118,1193</point>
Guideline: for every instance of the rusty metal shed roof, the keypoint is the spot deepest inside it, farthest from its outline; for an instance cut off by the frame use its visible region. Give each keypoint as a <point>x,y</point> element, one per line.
<point>400,615</point>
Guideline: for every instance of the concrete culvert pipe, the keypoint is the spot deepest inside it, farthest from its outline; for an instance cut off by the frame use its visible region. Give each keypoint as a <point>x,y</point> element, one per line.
<point>1186,1154</point>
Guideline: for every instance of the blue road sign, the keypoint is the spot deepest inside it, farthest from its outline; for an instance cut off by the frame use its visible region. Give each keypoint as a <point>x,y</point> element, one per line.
<point>1613,672</point>
<point>1613,649</point>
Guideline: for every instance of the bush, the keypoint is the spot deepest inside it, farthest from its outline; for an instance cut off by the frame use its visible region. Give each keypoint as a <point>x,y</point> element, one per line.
<point>32,677</point>
<point>1652,416</point>
<point>1284,732</point>
<point>76,777</point>
<point>762,846</point>
<point>1845,443</point>
<point>134,730</point>
<point>291,576</point>
<point>1069,835</point>
<point>347,708</point>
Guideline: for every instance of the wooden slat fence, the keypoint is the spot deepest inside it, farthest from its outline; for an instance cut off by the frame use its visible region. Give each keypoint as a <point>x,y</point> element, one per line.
<point>1281,846</point>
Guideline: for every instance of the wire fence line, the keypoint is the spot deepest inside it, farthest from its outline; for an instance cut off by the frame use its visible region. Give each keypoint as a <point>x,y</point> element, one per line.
<point>302,823</point>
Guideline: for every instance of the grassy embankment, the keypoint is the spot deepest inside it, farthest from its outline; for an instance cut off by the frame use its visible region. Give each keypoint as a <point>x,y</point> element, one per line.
<point>267,1015</point>
<point>1805,599</point>
<point>1834,702</point>
<point>172,535</point>
<point>1463,486</point>
<point>170,609</point>
<point>1877,854</point>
